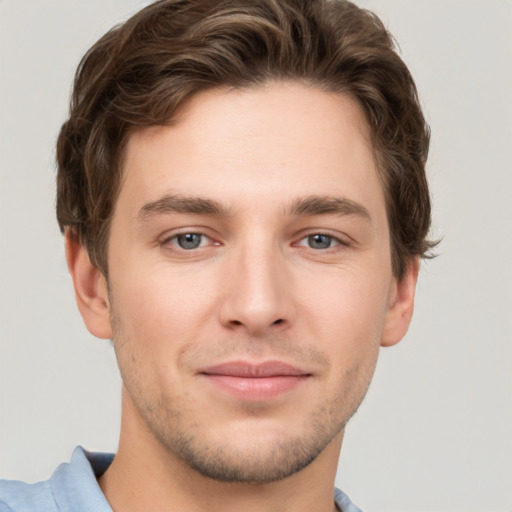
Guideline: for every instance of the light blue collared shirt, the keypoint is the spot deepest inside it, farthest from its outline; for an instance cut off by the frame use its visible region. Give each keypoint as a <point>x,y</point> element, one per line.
<point>73,487</point>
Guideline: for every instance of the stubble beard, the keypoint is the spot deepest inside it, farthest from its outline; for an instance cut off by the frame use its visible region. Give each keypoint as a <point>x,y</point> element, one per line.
<point>258,462</point>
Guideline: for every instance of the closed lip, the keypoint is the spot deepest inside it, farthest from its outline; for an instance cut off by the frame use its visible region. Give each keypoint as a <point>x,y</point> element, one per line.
<point>249,370</point>
<point>259,382</point>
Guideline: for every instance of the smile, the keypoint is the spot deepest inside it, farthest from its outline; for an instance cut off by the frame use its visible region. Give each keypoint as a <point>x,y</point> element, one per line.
<point>258,382</point>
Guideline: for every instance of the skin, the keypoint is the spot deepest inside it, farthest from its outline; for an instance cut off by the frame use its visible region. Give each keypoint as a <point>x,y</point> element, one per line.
<point>277,276</point>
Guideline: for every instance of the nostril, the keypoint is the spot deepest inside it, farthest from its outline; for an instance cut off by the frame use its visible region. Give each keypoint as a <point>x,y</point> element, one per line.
<point>255,325</point>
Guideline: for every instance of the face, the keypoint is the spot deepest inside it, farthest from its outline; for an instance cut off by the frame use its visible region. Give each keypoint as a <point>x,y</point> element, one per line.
<point>250,281</point>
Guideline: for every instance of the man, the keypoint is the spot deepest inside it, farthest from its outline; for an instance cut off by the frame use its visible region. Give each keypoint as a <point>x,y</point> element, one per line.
<point>242,191</point>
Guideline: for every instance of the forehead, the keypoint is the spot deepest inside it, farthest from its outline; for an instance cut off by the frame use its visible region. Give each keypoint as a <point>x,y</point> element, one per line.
<point>240,144</point>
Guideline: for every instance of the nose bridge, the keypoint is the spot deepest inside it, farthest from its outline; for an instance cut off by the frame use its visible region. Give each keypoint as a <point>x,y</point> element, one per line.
<point>257,292</point>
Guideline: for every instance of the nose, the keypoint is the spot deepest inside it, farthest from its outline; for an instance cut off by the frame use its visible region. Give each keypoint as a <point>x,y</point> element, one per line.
<point>257,294</point>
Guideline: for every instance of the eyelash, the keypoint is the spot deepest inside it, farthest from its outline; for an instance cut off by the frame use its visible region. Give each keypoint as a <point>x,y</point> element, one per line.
<point>333,241</point>
<point>173,241</point>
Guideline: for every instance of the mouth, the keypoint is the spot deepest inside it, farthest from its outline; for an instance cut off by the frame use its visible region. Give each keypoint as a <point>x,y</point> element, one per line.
<point>255,382</point>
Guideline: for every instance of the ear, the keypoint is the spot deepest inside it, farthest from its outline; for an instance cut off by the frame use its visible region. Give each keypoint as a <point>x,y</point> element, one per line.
<point>401,305</point>
<point>91,290</point>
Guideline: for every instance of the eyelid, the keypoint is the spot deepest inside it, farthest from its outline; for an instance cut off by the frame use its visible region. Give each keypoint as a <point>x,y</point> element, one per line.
<point>341,239</point>
<point>334,242</point>
<point>169,237</point>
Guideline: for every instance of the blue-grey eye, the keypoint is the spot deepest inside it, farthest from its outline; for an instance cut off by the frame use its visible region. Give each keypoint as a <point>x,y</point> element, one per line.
<point>189,241</point>
<point>320,241</point>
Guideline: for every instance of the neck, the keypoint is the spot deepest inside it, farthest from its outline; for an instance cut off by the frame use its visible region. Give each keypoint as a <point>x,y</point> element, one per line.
<point>146,476</point>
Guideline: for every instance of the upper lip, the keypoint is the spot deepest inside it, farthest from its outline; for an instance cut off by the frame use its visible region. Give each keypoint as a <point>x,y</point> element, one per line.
<point>251,370</point>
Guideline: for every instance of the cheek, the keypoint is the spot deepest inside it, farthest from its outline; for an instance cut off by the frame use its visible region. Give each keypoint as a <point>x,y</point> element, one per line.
<point>347,308</point>
<point>161,306</point>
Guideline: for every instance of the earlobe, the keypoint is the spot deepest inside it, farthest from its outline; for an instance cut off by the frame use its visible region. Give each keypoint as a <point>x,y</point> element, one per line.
<point>91,290</point>
<point>401,306</point>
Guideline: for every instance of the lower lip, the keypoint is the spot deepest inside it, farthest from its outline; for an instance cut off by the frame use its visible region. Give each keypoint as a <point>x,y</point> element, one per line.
<point>256,389</point>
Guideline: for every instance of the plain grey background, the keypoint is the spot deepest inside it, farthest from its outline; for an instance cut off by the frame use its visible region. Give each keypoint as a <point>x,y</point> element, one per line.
<point>435,431</point>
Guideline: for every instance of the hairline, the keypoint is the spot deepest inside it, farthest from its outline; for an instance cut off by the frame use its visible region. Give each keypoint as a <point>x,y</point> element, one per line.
<point>174,118</point>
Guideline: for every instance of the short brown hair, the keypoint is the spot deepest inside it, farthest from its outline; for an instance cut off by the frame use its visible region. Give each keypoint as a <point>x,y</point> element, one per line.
<point>140,72</point>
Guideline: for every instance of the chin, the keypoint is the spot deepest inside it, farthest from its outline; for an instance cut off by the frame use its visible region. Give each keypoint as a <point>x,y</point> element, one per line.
<point>258,453</point>
<point>265,463</point>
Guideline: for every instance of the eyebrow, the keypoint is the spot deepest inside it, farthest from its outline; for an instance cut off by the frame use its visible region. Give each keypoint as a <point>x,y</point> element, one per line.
<point>304,206</point>
<point>325,205</point>
<point>182,204</point>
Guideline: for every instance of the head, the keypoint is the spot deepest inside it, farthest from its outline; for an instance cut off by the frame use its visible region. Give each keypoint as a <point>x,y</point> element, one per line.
<point>243,192</point>
<point>140,73</point>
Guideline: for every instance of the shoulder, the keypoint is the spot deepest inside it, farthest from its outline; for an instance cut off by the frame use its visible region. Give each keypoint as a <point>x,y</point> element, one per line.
<point>343,502</point>
<point>4,507</point>
<point>18,496</point>
<point>72,487</point>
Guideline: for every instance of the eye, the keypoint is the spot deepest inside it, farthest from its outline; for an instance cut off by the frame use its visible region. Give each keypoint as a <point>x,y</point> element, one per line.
<point>319,241</point>
<point>189,241</point>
